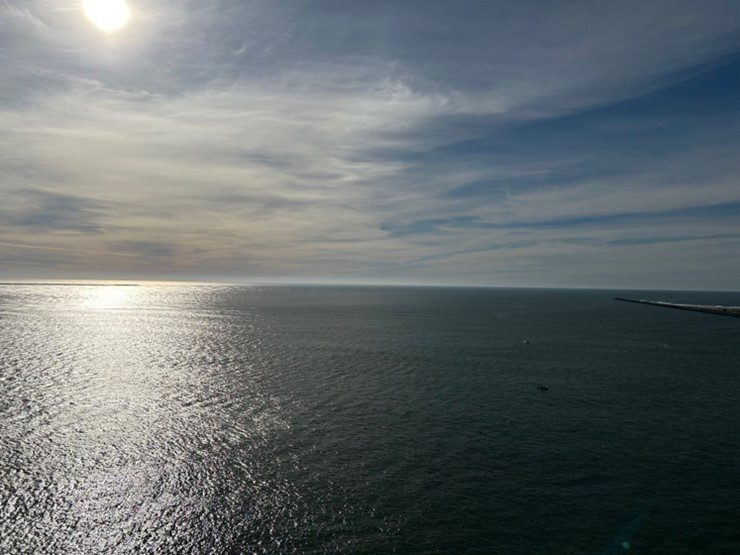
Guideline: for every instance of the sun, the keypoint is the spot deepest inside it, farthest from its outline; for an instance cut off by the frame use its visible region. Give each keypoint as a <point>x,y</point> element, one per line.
<point>107,15</point>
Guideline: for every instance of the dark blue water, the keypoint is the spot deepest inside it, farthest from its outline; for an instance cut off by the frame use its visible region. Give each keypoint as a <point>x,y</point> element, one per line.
<point>204,419</point>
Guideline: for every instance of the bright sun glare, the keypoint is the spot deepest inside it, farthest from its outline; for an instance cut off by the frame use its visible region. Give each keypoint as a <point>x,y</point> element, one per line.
<point>107,15</point>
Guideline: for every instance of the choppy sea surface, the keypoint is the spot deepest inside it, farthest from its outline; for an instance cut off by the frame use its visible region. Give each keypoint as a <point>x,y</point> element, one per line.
<point>229,419</point>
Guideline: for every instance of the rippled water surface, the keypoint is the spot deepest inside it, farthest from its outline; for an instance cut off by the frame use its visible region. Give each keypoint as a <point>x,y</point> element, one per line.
<point>219,419</point>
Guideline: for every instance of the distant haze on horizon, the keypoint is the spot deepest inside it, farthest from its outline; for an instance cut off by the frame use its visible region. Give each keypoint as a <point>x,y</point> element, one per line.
<point>574,144</point>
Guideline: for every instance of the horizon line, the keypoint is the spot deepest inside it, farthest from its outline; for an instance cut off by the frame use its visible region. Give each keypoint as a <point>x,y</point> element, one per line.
<point>75,282</point>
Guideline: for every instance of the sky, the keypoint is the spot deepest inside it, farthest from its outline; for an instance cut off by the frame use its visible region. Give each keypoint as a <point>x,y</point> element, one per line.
<point>527,143</point>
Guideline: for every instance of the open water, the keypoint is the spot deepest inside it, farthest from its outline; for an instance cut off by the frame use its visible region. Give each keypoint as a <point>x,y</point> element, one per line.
<point>226,419</point>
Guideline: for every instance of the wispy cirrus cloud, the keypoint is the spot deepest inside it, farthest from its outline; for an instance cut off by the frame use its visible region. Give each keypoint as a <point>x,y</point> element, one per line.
<point>490,143</point>
<point>40,211</point>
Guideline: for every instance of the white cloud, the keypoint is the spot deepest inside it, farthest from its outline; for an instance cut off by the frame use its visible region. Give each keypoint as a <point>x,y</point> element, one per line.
<point>236,139</point>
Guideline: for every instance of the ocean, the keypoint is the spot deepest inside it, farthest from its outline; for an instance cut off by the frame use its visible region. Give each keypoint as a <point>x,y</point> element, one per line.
<point>332,419</point>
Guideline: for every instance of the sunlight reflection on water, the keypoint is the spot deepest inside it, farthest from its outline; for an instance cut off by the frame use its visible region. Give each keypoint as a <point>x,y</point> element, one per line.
<point>108,297</point>
<point>126,421</point>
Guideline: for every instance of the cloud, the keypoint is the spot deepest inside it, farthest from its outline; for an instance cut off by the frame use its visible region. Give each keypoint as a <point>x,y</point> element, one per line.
<point>39,211</point>
<point>155,250</point>
<point>369,140</point>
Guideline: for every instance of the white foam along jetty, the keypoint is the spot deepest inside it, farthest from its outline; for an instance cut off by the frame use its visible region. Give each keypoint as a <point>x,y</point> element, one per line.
<point>732,311</point>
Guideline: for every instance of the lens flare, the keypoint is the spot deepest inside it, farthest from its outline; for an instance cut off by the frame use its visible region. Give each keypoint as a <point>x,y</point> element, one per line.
<point>107,15</point>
